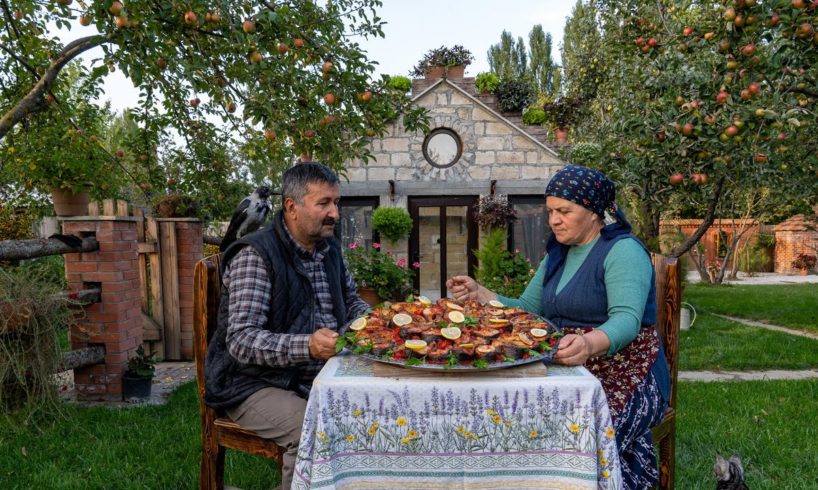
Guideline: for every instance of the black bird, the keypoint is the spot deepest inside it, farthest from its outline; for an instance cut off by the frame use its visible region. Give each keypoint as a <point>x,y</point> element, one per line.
<point>249,215</point>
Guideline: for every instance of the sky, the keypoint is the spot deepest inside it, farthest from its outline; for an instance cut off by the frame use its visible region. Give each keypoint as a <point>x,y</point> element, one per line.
<point>416,26</point>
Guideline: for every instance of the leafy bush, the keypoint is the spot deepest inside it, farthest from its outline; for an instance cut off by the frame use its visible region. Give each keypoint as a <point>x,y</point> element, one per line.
<point>513,95</point>
<point>142,365</point>
<point>501,271</point>
<point>804,262</point>
<point>400,83</point>
<point>392,223</point>
<point>443,56</point>
<point>533,117</point>
<point>562,112</point>
<point>587,154</point>
<point>486,82</point>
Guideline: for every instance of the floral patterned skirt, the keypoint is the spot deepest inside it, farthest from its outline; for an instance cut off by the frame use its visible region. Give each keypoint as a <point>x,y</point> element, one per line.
<point>622,373</point>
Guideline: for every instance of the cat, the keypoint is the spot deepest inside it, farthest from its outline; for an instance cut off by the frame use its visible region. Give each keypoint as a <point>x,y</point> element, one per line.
<point>729,473</point>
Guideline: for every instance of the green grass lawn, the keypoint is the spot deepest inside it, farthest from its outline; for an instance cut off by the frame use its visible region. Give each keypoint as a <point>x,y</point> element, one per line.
<point>714,343</point>
<point>771,424</point>
<point>152,447</point>
<point>787,305</point>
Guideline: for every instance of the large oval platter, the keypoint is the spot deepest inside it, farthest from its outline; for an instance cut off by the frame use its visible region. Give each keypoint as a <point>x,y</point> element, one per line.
<point>451,335</point>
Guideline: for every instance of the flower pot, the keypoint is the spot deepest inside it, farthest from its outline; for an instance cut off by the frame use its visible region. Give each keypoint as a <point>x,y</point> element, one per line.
<point>370,295</point>
<point>561,135</point>
<point>802,272</point>
<point>67,203</point>
<point>135,388</point>
<point>435,72</point>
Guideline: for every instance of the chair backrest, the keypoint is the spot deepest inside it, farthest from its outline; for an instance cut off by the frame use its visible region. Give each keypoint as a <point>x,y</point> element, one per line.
<point>669,304</point>
<point>207,291</point>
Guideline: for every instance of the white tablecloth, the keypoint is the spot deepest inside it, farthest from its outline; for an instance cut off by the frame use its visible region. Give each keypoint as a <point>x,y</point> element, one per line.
<point>469,432</point>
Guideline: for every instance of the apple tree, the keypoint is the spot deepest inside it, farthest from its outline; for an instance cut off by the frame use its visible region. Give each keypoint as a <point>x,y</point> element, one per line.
<point>224,87</point>
<point>699,101</point>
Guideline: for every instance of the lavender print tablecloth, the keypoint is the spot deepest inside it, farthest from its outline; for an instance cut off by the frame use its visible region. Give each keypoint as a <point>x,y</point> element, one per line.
<point>440,432</point>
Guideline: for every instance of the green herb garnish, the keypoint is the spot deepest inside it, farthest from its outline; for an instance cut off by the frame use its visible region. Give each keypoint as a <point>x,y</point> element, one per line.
<point>481,364</point>
<point>452,360</point>
<point>342,341</point>
<point>414,361</point>
<point>388,354</point>
<point>544,346</point>
<point>470,320</point>
<point>508,359</point>
<point>532,352</point>
<point>363,349</point>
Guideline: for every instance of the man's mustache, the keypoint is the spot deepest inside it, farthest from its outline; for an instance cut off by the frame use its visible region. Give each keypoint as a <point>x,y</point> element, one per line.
<point>328,221</point>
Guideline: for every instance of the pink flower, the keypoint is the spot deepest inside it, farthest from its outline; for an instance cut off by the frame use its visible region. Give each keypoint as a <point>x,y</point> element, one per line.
<point>376,245</point>
<point>353,245</point>
<point>416,265</point>
<point>401,263</point>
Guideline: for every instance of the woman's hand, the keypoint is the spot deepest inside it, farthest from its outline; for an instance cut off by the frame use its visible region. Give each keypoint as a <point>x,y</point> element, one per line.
<point>463,288</point>
<point>573,350</point>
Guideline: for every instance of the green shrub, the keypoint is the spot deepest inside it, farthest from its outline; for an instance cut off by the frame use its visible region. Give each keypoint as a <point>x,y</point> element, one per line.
<point>757,255</point>
<point>513,95</point>
<point>586,154</point>
<point>443,56</point>
<point>486,82</point>
<point>502,271</point>
<point>392,223</point>
<point>400,83</point>
<point>534,117</point>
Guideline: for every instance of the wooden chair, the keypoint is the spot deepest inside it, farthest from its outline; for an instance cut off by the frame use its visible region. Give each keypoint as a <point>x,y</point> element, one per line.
<point>218,432</point>
<point>669,302</point>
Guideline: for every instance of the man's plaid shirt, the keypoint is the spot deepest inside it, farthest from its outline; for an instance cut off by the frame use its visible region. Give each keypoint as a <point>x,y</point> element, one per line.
<point>249,342</point>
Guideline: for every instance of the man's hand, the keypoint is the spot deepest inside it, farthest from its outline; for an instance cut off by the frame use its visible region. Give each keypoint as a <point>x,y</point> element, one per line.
<point>322,343</point>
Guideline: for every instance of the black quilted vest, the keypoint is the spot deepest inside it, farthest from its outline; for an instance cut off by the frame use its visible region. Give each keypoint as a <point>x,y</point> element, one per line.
<point>292,310</point>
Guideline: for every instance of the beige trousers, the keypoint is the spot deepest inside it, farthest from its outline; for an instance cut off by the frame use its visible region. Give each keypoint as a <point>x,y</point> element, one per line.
<point>278,415</point>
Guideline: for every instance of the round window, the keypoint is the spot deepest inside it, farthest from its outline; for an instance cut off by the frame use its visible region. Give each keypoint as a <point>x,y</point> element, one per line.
<point>442,148</point>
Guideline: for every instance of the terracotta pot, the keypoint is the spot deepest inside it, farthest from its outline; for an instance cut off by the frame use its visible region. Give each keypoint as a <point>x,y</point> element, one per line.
<point>561,135</point>
<point>66,203</point>
<point>803,272</point>
<point>435,72</point>
<point>370,296</point>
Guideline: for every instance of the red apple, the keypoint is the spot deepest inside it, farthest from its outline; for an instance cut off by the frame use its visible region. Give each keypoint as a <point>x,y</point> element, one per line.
<point>255,57</point>
<point>162,63</point>
<point>687,31</point>
<point>709,35</point>
<point>652,42</point>
<point>754,88</point>
<point>327,67</point>
<point>18,14</point>
<point>366,96</point>
<point>640,41</point>
<point>122,22</point>
<point>282,48</point>
<point>116,7</point>
<point>730,14</point>
<point>782,136</point>
<point>710,119</point>
<point>298,42</point>
<point>190,18</point>
<point>739,21</point>
<point>145,187</point>
<point>760,158</point>
<point>798,4</point>
<point>120,153</point>
<point>248,26</point>
<point>731,130</point>
<point>230,107</point>
<point>171,182</point>
<point>195,102</point>
<point>309,133</point>
<point>687,129</point>
<point>745,94</point>
<point>773,20</point>
<point>721,98</point>
<point>329,98</point>
<point>748,49</point>
<point>85,20</point>
<point>676,179</point>
<point>661,136</point>
<point>269,135</point>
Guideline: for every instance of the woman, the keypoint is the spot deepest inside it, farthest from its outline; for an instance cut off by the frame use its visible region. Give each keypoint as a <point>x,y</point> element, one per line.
<point>596,282</point>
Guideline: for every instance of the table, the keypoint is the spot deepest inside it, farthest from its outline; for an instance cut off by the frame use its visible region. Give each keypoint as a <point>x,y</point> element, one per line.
<point>364,429</point>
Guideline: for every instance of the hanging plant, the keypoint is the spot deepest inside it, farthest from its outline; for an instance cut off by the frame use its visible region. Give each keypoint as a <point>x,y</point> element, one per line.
<point>392,223</point>
<point>494,212</point>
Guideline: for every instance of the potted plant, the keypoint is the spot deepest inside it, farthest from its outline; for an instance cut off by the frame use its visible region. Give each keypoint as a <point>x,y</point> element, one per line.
<point>372,269</point>
<point>175,205</point>
<point>561,114</point>
<point>803,263</point>
<point>494,212</point>
<point>443,61</point>
<point>392,223</point>
<point>137,378</point>
<point>486,82</point>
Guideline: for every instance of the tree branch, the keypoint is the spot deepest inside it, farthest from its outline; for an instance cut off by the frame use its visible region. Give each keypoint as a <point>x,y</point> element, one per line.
<point>706,222</point>
<point>34,100</point>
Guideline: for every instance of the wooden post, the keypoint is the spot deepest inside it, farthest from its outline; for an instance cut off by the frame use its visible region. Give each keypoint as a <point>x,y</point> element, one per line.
<point>170,290</point>
<point>152,234</point>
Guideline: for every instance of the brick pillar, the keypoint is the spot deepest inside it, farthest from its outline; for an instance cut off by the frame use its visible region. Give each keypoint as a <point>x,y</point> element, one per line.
<point>189,245</point>
<point>115,321</point>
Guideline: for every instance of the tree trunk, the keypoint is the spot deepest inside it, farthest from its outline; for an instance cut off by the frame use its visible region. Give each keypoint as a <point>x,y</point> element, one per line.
<point>709,217</point>
<point>212,240</point>
<point>41,247</point>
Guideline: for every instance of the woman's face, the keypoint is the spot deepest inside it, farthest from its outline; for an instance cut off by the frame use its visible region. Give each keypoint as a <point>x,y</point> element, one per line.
<point>571,223</point>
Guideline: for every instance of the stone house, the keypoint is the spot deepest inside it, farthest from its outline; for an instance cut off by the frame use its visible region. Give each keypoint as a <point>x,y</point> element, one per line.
<point>471,150</point>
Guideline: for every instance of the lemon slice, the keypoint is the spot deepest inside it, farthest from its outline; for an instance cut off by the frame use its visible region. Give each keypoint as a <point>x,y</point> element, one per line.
<point>451,333</point>
<point>496,304</point>
<point>496,312</point>
<point>456,317</point>
<point>415,345</point>
<point>402,319</point>
<point>454,306</point>
<point>358,324</point>
<point>538,333</point>
<point>498,321</point>
<point>424,300</point>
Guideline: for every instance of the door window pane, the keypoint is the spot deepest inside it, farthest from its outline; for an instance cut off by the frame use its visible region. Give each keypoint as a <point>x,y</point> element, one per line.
<point>456,241</point>
<point>355,224</point>
<point>530,232</point>
<point>429,251</point>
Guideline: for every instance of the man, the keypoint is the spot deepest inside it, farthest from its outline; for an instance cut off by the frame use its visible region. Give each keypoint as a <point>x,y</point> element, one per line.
<point>286,296</point>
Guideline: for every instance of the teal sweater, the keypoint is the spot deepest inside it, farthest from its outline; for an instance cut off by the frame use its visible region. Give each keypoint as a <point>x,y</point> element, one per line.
<point>628,274</point>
